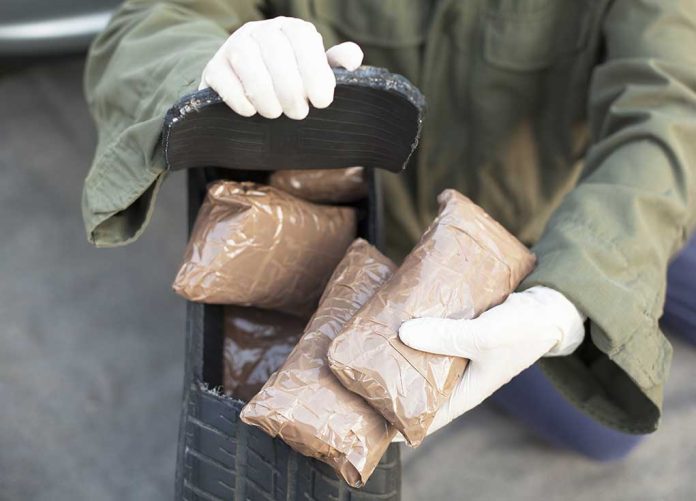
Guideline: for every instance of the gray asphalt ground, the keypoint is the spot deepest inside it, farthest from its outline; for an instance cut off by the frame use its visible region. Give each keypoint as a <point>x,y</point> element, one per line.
<point>91,348</point>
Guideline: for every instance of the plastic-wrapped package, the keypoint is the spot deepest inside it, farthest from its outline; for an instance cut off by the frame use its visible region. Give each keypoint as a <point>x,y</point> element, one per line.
<point>257,342</point>
<point>304,404</point>
<point>254,245</point>
<point>322,185</point>
<point>464,264</point>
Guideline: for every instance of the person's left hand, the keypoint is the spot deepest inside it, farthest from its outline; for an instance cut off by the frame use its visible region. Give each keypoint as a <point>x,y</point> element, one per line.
<point>499,344</point>
<point>277,66</point>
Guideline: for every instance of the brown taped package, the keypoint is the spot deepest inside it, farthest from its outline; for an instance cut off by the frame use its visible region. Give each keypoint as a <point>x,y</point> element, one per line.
<point>257,342</point>
<point>254,245</point>
<point>464,264</point>
<point>304,404</point>
<point>323,185</point>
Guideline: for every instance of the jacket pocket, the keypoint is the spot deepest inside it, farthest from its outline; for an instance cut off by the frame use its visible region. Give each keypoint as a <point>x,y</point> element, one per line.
<point>383,23</point>
<point>533,38</point>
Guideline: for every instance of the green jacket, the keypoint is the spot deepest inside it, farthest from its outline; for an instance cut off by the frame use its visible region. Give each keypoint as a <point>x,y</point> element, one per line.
<point>572,122</point>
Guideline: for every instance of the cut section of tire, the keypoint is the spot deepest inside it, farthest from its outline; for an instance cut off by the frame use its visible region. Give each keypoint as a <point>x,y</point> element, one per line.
<point>221,458</point>
<point>374,121</point>
<point>225,459</point>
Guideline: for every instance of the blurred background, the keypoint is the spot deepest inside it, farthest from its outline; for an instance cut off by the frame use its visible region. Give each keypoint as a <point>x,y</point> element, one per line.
<point>92,341</point>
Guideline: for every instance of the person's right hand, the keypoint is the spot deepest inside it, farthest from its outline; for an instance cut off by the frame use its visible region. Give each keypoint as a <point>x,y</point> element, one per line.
<point>276,66</point>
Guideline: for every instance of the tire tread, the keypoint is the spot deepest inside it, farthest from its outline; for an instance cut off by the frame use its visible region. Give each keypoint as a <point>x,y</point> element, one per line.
<point>225,459</point>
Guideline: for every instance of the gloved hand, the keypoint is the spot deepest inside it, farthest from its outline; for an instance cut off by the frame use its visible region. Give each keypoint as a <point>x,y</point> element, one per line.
<point>500,343</point>
<point>275,66</point>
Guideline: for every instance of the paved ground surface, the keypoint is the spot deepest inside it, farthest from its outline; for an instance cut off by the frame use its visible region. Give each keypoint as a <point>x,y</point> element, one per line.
<point>91,349</point>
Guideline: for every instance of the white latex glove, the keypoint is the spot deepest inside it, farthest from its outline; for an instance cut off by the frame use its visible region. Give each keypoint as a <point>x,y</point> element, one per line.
<point>275,66</point>
<point>500,343</point>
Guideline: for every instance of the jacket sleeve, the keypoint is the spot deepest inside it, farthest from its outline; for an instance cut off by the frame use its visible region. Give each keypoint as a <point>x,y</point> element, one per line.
<point>608,245</point>
<point>150,54</point>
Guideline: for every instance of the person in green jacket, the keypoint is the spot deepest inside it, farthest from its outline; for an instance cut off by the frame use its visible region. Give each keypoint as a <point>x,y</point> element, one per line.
<point>572,122</point>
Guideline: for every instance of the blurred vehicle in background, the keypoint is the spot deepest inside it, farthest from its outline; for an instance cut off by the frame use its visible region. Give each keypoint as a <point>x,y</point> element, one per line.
<point>46,27</point>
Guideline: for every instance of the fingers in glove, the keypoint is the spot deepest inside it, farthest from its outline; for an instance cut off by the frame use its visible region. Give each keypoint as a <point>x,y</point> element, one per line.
<point>442,336</point>
<point>222,79</point>
<point>518,317</point>
<point>347,55</point>
<point>246,60</point>
<point>465,397</point>
<point>279,58</point>
<point>312,63</point>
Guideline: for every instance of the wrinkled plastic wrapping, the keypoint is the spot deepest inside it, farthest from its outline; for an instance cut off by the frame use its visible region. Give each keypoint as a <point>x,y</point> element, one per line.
<point>255,245</point>
<point>464,264</point>
<point>257,342</point>
<point>323,185</point>
<point>304,404</point>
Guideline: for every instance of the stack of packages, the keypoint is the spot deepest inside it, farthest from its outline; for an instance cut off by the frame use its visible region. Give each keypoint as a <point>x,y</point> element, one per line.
<point>349,385</point>
<point>270,254</point>
<point>464,264</point>
<point>304,404</point>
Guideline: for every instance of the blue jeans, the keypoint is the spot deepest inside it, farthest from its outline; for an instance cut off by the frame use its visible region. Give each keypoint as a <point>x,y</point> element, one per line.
<point>533,399</point>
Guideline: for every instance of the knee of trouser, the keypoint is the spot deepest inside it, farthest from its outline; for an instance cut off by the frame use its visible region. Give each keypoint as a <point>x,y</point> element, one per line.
<point>615,448</point>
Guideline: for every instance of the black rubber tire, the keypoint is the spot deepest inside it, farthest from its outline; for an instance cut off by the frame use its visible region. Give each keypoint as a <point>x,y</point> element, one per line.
<point>374,121</point>
<point>219,457</point>
<point>226,459</point>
